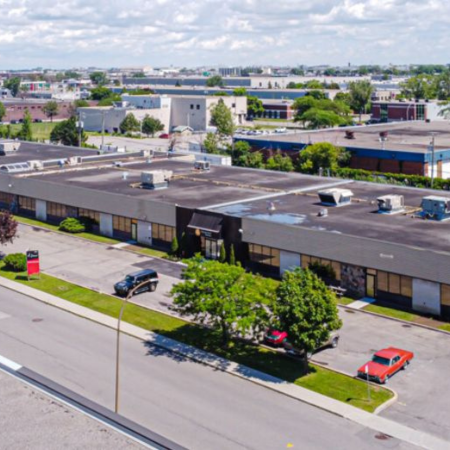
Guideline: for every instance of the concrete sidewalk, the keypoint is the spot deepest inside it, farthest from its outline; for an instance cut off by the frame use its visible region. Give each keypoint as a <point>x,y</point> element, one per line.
<point>372,421</point>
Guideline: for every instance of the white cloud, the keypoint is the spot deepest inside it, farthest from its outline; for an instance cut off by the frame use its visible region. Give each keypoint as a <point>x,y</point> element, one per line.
<point>65,33</point>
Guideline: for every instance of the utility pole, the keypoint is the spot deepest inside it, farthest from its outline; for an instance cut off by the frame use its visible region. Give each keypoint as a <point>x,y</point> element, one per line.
<point>432,160</point>
<point>80,127</point>
<point>103,127</point>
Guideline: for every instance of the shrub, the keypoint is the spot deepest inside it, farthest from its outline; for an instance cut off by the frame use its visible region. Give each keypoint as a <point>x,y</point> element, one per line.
<point>324,271</point>
<point>16,262</point>
<point>72,225</point>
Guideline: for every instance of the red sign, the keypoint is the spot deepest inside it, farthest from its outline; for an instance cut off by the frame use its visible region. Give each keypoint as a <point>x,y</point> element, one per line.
<point>33,262</point>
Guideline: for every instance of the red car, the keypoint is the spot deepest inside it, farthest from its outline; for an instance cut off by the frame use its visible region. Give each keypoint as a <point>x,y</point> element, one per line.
<point>275,338</point>
<point>164,136</point>
<point>385,363</point>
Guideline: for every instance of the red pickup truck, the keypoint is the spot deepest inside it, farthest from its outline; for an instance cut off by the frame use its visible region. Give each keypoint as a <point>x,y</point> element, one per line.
<point>384,364</point>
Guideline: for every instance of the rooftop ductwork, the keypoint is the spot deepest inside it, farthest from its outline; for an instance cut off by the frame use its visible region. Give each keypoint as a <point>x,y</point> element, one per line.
<point>336,197</point>
<point>349,134</point>
<point>202,166</point>
<point>156,179</point>
<point>9,147</point>
<point>435,208</point>
<point>390,204</point>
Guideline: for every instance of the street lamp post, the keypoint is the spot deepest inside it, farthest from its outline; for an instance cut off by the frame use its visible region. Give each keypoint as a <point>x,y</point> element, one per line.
<point>119,320</point>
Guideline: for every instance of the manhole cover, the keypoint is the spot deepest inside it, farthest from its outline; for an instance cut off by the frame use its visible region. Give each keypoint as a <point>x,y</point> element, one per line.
<point>382,437</point>
<point>37,320</point>
<point>406,326</point>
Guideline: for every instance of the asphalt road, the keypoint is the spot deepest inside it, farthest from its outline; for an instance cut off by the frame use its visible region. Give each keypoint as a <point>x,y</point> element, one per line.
<point>423,389</point>
<point>185,401</point>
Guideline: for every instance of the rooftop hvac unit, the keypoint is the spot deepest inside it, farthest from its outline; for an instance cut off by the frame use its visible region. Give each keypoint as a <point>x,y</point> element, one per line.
<point>156,179</point>
<point>391,204</point>
<point>73,160</point>
<point>9,147</point>
<point>36,165</point>
<point>335,197</point>
<point>204,166</point>
<point>436,208</point>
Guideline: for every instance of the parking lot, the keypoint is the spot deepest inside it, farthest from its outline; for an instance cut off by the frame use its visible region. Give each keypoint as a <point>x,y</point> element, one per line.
<point>423,389</point>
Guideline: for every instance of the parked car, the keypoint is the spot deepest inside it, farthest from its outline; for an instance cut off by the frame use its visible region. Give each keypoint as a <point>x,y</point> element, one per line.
<point>275,338</point>
<point>37,120</point>
<point>280,130</point>
<point>332,342</point>
<point>164,136</point>
<point>147,278</point>
<point>385,363</point>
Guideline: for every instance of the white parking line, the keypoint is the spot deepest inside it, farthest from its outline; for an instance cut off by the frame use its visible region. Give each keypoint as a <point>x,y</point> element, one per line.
<point>10,364</point>
<point>4,315</point>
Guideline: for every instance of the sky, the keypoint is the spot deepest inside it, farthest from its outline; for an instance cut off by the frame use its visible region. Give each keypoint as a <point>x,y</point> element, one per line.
<point>189,33</point>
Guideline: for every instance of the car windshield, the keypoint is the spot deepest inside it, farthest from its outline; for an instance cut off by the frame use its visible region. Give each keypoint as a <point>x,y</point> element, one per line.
<point>381,360</point>
<point>274,334</point>
<point>129,278</point>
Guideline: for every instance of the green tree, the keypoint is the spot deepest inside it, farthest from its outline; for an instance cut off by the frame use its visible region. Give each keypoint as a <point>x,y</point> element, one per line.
<point>280,163</point>
<point>343,97</point>
<point>67,133</point>
<point>72,74</point>
<point>222,118</point>
<point>99,78</point>
<point>306,309</point>
<point>222,253</point>
<point>109,101</point>
<point>8,227</point>
<point>26,132</point>
<point>318,118</point>
<point>254,106</point>
<point>314,84</point>
<point>151,125</point>
<point>224,297</point>
<point>239,152</point>
<point>100,93</point>
<point>215,80</point>
<point>50,109</point>
<point>240,92</point>
<point>321,155</point>
<point>253,160</point>
<point>232,256</point>
<point>13,84</point>
<point>221,94</point>
<point>442,85</point>
<point>81,103</point>
<point>211,143</point>
<point>419,87</point>
<point>2,111</point>
<point>129,124</point>
<point>360,95</point>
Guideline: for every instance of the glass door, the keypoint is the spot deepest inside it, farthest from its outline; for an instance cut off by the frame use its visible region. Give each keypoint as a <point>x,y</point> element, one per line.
<point>370,285</point>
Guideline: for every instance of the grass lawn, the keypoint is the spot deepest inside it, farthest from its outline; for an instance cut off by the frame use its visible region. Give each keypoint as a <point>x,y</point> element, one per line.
<point>345,300</point>
<point>445,327</point>
<point>390,312</point>
<point>324,381</point>
<point>41,131</point>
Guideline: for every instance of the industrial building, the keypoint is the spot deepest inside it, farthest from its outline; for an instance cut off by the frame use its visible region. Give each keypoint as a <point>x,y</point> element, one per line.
<point>413,148</point>
<point>386,242</point>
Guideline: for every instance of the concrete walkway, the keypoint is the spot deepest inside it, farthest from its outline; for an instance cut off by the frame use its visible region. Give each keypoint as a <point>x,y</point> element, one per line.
<point>372,421</point>
<point>362,303</point>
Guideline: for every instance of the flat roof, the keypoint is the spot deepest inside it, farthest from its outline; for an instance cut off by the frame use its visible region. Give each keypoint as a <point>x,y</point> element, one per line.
<point>407,136</point>
<point>359,219</point>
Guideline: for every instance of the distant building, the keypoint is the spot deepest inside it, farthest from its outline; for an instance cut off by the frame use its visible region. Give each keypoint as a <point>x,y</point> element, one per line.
<point>16,107</point>
<point>396,111</point>
<point>230,71</point>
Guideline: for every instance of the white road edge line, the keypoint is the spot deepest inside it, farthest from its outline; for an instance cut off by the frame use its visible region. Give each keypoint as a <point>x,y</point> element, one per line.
<point>10,364</point>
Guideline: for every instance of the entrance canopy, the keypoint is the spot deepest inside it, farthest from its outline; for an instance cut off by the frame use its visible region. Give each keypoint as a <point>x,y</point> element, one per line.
<point>206,225</point>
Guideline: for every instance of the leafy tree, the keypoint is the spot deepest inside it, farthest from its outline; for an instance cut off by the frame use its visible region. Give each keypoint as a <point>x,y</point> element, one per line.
<point>51,109</point>
<point>139,74</point>
<point>223,296</point>
<point>129,124</point>
<point>99,78</point>
<point>324,271</point>
<point>8,228</point>
<point>254,106</point>
<point>343,97</point>
<point>240,92</point>
<point>215,80</point>
<point>297,71</point>
<point>151,125</point>
<point>13,84</point>
<point>109,101</point>
<point>314,84</point>
<point>318,118</point>
<point>360,95</point>
<point>26,132</point>
<point>72,74</point>
<point>222,253</point>
<point>211,143</point>
<point>253,160</point>
<point>442,85</point>
<point>239,152</point>
<point>232,256</point>
<point>67,133</point>
<point>2,111</point>
<point>280,163</point>
<point>222,118</point>
<point>321,155</point>
<point>100,93</point>
<point>221,94</point>
<point>306,309</point>
<point>269,85</point>
<point>293,85</point>
<point>174,247</point>
<point>81,103</point>
<point>419,87</point>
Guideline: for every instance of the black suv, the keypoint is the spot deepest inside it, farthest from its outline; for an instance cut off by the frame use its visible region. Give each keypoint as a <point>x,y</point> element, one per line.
<point>148,278</point>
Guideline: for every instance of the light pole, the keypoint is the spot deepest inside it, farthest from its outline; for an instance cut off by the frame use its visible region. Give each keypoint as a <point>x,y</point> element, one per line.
<point>431,147</point>
<point>119,320</point>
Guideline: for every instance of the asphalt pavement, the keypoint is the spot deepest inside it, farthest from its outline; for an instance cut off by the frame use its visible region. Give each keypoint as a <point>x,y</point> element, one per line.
<point>184,401</point>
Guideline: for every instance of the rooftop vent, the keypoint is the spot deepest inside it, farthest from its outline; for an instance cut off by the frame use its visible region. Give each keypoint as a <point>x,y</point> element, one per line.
<point>323,212</point>
<point>203,166</point>
<point>9,147</point>
<point>156,179</point>
<point>383,135</point>
<point>436,208</point>
<point>36,165</point>
<point>349,134</point>
<point>335,197</point>
<point>391,204</point>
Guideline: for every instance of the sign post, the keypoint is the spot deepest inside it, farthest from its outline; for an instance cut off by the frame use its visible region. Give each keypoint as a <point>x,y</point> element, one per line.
<point>33,263</point>
<point>366,369</point>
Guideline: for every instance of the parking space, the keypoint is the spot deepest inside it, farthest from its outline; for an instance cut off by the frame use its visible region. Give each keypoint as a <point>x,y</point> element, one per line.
<point>423,389</point>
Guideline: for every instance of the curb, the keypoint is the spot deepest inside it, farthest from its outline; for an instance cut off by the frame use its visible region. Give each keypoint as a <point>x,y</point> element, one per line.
<point>413,324</point>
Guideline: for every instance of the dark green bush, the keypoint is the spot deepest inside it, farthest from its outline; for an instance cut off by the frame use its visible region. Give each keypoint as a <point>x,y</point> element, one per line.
<point>72,225</point>
<point>16,262</point>
<point>324,271</point>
